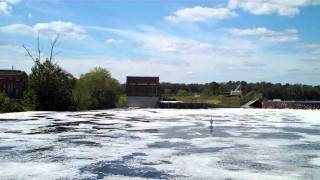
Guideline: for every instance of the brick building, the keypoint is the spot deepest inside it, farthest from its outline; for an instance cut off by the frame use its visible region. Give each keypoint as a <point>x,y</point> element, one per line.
<point>142,91</point>
<point>13,83</point>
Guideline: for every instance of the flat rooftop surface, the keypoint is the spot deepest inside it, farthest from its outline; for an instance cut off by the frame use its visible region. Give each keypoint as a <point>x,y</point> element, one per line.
<point>142,79</point>
<point>161,144</point>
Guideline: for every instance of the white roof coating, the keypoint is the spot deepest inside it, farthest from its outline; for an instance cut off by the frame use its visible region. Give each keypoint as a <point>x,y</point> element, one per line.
<point>161,144</point>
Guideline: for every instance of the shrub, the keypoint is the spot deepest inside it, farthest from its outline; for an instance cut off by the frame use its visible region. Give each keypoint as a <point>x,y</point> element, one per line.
<point>7,105</point>
<point>122,102</point>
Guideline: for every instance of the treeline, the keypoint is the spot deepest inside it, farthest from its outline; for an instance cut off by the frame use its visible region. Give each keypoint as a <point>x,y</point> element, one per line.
<point>267,90</point>
<point>51,88</point>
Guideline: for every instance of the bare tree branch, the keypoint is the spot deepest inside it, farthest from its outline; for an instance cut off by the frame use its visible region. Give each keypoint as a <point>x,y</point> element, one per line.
<point>37,57</point>
<point>28,52</point>
<point>53,45</point>
<point>55,54</point>
<point>38,48</point>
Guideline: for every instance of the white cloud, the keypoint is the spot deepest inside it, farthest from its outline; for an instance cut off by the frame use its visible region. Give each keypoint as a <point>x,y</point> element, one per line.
<point>155,42</point>
<point>112,41</point>
<point>189,73</point>
<point>200,14</point>
<point>6,6</point>
<point>308,46</point>
<point>11,1</point>
<point>160,42</point>
<point>66,30</point>
<point>18,29</point>
<point>280,38</point>
<point>172,57</point>
<point>263,7</point>
<point>264,34</point>
<point>14,55</point>
<point>311,59</point>
<point>164,43</point>
<point>248,32</point>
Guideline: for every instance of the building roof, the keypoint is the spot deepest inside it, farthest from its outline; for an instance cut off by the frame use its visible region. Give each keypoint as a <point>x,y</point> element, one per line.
<point>142,79</point>
<point>11,72</point>
<point>301,102</point>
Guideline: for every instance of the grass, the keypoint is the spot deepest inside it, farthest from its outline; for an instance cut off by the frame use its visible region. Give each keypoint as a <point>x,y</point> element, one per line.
<point>219,100</point>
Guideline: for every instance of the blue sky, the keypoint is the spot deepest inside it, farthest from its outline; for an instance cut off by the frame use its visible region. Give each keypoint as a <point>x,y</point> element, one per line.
<point>180,41</point>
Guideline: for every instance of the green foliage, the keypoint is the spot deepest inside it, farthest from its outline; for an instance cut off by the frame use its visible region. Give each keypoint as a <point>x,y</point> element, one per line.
<point>3,101</point>
<point>49,87</point>
<point>167,91</point>
<point>96,90</point>
<point>182,92</point>
<point>6,105</point>
<point>122,102</point>
<point>122,88</point>
<point>207,91</point>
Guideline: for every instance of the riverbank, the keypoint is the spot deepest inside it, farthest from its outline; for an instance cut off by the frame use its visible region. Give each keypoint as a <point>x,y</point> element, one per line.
<point>219,101</point>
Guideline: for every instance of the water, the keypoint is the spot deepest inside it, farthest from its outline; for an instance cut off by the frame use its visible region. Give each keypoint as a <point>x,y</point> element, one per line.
<point>161,144</point>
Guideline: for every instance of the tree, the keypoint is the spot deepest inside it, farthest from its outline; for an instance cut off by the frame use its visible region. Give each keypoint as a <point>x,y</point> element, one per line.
<point>167,91</point>
<point>49,86</point>
<point>182,92</point>
<point>96,90</point>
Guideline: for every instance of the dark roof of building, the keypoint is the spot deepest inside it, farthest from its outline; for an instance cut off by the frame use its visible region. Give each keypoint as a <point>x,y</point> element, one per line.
<point>298,102</point>
<point>142,79</point>
<point>12,72</point>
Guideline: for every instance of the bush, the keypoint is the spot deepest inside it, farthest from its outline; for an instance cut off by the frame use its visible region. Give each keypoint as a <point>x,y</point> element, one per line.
<point>3,101</point>
<point>182,92</point>
<point>96,90</point>
<point>122,102</point>
<point>6,105</point>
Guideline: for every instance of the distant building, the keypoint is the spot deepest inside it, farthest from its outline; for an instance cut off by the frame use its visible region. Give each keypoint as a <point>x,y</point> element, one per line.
<point>237,92</point>
<point>13,83</point>
<point>142,91</point>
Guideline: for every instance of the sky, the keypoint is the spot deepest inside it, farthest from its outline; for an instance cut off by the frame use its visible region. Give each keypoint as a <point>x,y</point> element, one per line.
<point>182,41</point>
